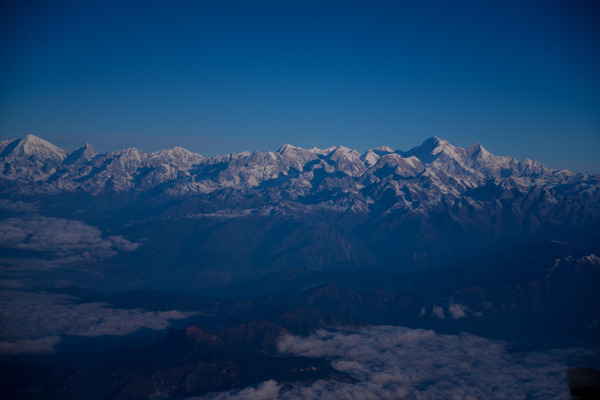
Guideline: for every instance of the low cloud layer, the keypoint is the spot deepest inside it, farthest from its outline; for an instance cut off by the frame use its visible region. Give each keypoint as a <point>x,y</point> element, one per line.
<point>397,362</point>
<point>17,206</point>
<point>65,239</point>
<point>33,248</point>
<point>35,322</point>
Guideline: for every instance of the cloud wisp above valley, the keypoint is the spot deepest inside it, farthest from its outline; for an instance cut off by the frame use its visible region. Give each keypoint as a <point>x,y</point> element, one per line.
<point>33,242</point>
<point>396,362</point>
<point>34,322</point>
<point>60,236</point>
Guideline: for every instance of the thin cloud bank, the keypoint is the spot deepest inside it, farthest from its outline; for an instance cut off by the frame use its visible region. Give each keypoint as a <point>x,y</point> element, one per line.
<point>397,362</point>
<point>68,239</point>
<point>35,322</point>
<point>44,345</point>
<point>17,206</point>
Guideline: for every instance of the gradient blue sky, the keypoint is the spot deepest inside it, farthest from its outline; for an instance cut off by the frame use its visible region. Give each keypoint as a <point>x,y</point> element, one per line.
<point>218,76</point>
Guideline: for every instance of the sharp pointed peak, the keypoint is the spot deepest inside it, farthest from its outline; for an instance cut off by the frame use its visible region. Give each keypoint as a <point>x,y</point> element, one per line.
<point>436,141</point>
<point>84,153</point>
<point>288,147</point>
<point>87,149</point>
<point>476,149</point>
<point>129,152</point>
<point>341,150</point>
<point>32,139</point>
<point>433,145</point>
<point>35,145</point>
<point>431,149</point>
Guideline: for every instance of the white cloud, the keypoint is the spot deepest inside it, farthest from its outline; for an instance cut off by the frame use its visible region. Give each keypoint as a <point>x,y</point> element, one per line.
<point>457,311</point>
<point>43,345</point>
<point>397,362</point>
<point>438,312</point>
<point>17,206</point>
<point>268,390</point>
<point>123,244</point>
<point>69,240</point>
<point>31,322</point>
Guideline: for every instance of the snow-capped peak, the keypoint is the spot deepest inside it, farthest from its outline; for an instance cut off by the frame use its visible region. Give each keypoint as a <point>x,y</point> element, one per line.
<point>294,156</point>
<point>84,154</point>
<point>287,148</point>
<point>322,152</point>
<point>31,159</point>
<point>177,156</point>
<point>370,158</point>
<point>438,145</point>
<point>32,144</point>
<point>475,149</point>
<point>382,149</point>
<point>342,151</point>
<point>35,146</point>
<point>131,153</point>
<point>175,152</point>
<point>432,149</point>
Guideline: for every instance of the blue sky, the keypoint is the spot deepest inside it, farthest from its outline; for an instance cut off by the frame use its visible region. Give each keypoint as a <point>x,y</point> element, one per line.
<point>521,77</point>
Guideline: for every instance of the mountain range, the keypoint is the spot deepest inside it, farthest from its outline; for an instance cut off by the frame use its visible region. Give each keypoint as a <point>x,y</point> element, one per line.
<point>216,220</point>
